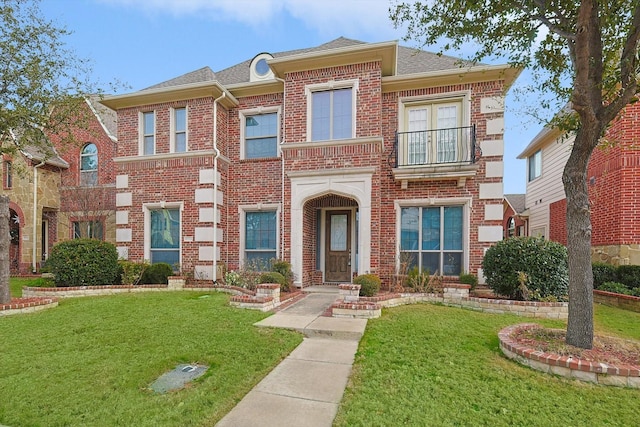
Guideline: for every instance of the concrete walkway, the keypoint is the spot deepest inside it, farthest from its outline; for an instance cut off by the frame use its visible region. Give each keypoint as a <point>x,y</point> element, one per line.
<point>306,388</point>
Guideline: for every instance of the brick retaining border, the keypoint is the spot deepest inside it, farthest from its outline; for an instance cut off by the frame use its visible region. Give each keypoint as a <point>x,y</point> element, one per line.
<point>566,366</point>
<point>27,305</point>
<point>626,302</point>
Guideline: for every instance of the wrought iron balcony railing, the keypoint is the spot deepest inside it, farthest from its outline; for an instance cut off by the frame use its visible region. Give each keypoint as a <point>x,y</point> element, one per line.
<point>436,147</point>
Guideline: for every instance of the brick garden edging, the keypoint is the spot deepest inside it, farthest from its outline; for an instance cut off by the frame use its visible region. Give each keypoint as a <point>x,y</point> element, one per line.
<point>626,302</point>
<point>27,305</point>
<point>453,295</point>
<point>566,366</point>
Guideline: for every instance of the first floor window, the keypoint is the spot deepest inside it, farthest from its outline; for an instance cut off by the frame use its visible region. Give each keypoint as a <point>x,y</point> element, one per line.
<point>88,230</point>
<point>260,238</point>
<point>165,236</point>
<point>431,239</point>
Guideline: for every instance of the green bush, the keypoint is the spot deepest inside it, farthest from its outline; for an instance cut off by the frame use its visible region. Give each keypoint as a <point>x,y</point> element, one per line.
<point>283,267</point>
<point>131,271</point>
<point>469,279</point>
<point>274,277</point>
<point>615,287</point>
<point>629,275</point>
<point>540,265</point>
<point>84,262</point>
<point>157,274</point>
<point>603,273</point>
<point>369,284</point>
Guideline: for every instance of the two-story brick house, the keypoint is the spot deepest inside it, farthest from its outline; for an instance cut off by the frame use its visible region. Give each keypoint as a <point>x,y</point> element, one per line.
<point>613,180</point>
<point>342,159</point>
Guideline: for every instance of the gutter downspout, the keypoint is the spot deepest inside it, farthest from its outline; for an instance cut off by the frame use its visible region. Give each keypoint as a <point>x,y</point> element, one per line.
<point>34,251</point>
<point>215,186</point>
<point>282,141</point>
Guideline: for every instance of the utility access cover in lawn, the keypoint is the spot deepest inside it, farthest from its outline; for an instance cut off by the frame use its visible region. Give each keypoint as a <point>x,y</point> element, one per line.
<point>178,378</point>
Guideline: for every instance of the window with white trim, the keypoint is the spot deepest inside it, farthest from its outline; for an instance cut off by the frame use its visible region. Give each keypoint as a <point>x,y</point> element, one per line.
<point>179,130</point>
<point>259,235</point>
<point>148,133</point>
<point>431,238</point>
<point>535,165</point>
<point>433,132</point>
<point>89,165</point>
<point>331,110</point>
<point>260,134</point>
<point>164,239</point>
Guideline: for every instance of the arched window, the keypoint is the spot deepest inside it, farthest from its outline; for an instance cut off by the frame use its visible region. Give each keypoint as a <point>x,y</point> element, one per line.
<point>89,165</point>
<point>511,227</point>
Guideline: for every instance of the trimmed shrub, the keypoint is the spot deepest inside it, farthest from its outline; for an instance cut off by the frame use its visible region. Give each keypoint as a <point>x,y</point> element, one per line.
<point>615,287</point>
<point>274,277</point>
<point>369,284</point>
<point>283,267</point>
<point>469,279</point>
<point>84,262</point>
<point>131,271</point>
<point>629,275</point>
<point>526,266</point>
<point>603,273</point>
<point>157,274</point>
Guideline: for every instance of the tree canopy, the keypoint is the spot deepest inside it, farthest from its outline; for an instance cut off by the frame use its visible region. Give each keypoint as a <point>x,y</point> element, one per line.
<point>585,53</point>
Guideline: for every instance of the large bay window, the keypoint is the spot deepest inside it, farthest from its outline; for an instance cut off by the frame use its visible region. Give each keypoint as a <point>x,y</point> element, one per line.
<point>163,233</point>
<point>432,238</point>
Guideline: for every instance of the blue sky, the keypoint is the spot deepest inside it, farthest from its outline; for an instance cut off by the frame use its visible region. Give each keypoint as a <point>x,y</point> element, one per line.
<point>144,42</point>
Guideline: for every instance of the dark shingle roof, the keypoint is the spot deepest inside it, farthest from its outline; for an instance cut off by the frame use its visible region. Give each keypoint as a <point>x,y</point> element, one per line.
<point>517,202</point>
<point>410,61</point>
<point>204,74</point>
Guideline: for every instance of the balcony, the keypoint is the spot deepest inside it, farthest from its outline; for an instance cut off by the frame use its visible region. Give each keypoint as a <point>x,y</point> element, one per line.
<point>441,154</point>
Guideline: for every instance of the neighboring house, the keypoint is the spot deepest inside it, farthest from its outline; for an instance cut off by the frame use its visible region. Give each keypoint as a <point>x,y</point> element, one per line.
<point>87,191</point>
<point>343,159</point>
<point>613,182</point>
<point>31,179</point>
<point>515,215</point>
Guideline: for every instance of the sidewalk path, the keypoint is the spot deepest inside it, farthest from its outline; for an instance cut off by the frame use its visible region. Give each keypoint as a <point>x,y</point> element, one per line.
<point>305,389</point>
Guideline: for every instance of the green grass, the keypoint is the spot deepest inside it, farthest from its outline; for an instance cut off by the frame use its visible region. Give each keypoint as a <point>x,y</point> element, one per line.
<point>16,284</point>
<point>89,362</point>
<point>430,365</point>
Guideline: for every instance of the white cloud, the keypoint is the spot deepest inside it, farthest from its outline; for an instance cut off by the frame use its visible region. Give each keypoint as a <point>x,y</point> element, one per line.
<point>326,17</point>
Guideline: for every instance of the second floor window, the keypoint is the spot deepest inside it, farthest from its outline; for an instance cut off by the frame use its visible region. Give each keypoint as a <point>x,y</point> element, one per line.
<point>89,165</point>
<point>535,165</point>
<point>179,130</point>
<point>332,114</point>
<point>8,175</point>
<point>148,133</point>
<point>261,136</point>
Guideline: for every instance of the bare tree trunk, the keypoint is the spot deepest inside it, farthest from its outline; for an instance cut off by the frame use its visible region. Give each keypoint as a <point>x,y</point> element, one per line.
<point>580,324</point>
<point>5,241</point>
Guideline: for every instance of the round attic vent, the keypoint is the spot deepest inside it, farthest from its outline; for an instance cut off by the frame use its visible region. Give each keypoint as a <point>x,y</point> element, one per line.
<point>260,69</point>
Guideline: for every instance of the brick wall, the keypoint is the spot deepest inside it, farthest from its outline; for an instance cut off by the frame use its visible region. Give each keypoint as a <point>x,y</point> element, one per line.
<point>558,221</point>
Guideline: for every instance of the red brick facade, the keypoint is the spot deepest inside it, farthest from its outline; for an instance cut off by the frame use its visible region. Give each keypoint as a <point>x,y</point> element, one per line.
<point>306,179</point>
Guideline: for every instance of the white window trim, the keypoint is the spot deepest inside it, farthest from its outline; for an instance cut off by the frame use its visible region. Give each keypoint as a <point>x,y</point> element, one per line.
<point>253,74</point>
<point>331,85</point>
<point>465,202</point>
<point>529,161</point>
<point>462,96</point>
<point>172,129</point>
<point>243,114</point>
<point>260,207</point>
<point>146,210</point>
<point>141,131</point>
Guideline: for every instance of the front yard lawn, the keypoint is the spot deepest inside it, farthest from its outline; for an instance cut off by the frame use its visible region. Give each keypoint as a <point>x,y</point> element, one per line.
<point>430,365</point>
<point>90,360</point>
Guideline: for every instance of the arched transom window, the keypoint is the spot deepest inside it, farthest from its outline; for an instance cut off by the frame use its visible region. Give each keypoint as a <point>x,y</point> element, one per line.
<point>89,165</point>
